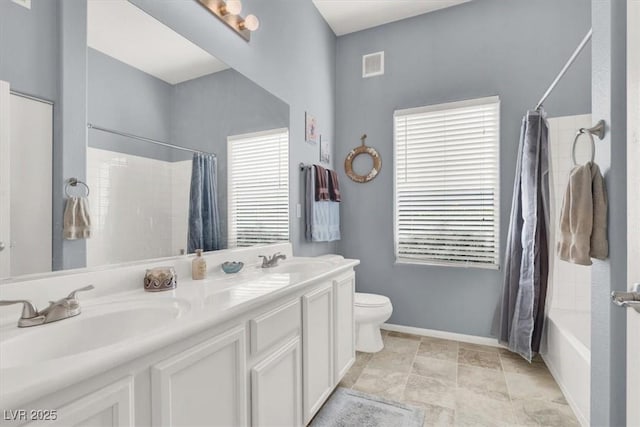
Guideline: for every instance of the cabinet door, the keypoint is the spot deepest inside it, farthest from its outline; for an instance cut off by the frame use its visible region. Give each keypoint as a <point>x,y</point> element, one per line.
<point>276,390</point>
<point>317,348</point>
<point>345,349</point>
<point>111,406</point>
<point>202,386</point>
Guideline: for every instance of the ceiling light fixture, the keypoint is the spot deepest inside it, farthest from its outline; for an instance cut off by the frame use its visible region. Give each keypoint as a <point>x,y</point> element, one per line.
<point>229,13</point>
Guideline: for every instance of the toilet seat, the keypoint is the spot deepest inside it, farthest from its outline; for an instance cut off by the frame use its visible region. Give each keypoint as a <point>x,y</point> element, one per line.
<point>370,300</point>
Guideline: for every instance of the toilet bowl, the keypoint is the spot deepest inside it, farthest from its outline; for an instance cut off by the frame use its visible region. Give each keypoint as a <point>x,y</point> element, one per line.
<point>371,311</point>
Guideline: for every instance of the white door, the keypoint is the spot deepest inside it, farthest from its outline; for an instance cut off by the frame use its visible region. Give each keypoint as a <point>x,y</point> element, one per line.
<point>344,325</point>
<point>5,228</point>
<point>202,386</point>
<point>317,348</point>
<point>276,388</point>
<point>111,406</point>
<point>31,157</point>
<point>633,208</point>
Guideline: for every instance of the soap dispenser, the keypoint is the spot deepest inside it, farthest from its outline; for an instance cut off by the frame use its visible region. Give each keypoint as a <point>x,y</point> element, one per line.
<point>198,266</point>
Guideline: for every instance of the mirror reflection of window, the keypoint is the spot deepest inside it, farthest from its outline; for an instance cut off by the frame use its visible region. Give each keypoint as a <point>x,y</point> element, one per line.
<point>258,188</point>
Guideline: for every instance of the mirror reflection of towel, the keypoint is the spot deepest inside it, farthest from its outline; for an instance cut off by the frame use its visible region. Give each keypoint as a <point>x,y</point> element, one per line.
<point>77,220</point>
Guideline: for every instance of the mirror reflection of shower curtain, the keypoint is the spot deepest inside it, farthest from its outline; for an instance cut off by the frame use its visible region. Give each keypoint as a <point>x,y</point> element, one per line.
<point>204,217</point>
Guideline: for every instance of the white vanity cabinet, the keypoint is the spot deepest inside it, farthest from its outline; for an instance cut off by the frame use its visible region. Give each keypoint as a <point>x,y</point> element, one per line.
<point>317,342</point>
<point>204,385</point>
<point>344,325</point>
<point>274,364</point>
<point>110,406</point>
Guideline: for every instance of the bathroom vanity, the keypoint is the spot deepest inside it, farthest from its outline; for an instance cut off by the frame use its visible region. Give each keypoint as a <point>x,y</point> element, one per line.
<point>265,346</point>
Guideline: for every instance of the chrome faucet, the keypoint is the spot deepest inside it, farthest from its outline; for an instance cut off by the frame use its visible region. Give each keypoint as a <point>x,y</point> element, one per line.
<point>57,310</point>
<point>273,261</point>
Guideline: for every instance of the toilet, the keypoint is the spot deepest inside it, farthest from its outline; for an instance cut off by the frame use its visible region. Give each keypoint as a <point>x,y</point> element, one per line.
<point>371,311</point>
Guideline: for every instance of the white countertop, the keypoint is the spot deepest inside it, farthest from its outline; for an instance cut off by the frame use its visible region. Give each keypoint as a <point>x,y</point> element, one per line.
<point>206,303</point>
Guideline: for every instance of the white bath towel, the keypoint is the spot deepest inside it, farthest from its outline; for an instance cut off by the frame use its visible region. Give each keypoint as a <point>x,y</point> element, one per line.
<point>583,218</point>
<point>77,220</point>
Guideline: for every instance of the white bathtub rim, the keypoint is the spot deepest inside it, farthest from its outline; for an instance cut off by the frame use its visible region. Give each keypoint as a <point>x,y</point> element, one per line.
<point>580,347</point>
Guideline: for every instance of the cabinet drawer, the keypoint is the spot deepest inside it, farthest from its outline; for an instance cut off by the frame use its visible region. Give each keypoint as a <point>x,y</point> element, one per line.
<point>275,325</point>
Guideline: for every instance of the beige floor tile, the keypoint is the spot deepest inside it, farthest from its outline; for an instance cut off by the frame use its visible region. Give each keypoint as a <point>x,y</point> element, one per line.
<point>439,349</point>
<point>506,353</point>
<point>541,386</point>
<point>403,335</point>
<point>400,345</point>
<point>430,391</point>
<point>444,370</point>
<point>383,383</point>
<point>475,410</point>
<point>480,359</point>
<point>356,369</point>
<point>520,366</point>
<point>483,382</point>
<point>479,347</point>
<point>541,413</point>
<point>392,361</point>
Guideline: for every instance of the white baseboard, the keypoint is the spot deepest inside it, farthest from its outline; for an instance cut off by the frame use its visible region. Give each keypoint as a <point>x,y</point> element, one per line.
<point>472,339</point>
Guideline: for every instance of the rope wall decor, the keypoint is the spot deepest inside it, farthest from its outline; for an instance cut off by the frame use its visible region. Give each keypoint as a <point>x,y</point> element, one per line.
<point>362,149</point>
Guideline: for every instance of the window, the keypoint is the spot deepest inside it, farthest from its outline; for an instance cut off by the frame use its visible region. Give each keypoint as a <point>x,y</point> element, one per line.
<point>258,188</point>
<point>446,183</point>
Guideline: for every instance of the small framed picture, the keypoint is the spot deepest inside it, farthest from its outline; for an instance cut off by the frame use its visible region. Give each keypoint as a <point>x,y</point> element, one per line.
<point>311,129</point>
<point>325,151</point>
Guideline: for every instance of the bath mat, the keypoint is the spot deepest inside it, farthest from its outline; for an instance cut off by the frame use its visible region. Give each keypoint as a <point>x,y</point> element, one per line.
<point>350,408</point>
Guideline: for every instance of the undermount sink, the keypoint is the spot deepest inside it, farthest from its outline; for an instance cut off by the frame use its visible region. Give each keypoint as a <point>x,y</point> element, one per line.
<point>299,266</point>
<point>96,327</point>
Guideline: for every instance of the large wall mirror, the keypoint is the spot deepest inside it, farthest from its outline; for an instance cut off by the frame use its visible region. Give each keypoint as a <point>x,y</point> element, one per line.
<point>173,134</point>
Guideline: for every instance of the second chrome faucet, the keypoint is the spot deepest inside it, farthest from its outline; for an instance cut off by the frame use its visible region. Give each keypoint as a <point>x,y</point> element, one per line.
<point>268,262</point>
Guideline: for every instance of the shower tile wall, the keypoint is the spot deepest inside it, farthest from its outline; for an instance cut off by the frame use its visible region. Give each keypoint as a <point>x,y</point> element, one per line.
<point>571,283</point>
<point>138,207</point>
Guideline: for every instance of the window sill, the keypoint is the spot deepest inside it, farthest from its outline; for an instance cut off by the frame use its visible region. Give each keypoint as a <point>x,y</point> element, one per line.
<point>447,264</point>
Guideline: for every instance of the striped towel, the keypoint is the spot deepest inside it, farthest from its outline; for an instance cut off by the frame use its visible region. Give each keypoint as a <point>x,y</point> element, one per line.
<point>322,187</point>
<point>334,186</point>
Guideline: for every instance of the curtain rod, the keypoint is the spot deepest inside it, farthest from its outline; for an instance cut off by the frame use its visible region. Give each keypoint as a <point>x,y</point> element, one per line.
<point>142,138</point>
<point>570,62</point>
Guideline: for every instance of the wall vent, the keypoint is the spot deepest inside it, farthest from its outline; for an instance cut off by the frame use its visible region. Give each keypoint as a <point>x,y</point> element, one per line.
<point>373,64</point>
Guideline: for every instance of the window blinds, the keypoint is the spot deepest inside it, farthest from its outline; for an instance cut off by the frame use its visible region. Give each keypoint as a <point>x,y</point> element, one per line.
<point>446,183</point>
<point>258,188</point>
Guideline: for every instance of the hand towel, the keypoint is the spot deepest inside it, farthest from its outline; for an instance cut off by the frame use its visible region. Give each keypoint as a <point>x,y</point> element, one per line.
<point>321,185</point>
<point>77,220</point>
<point>583,217</point>
<point>334,186</point>
<point>322,218</point>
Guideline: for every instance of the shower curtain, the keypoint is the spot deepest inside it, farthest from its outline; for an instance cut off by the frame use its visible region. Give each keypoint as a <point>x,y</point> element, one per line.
<point>526,257</point>
<point>204,218</point>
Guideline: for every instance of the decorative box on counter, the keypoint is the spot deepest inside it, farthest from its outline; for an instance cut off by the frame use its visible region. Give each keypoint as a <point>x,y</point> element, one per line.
<point>160,279</point>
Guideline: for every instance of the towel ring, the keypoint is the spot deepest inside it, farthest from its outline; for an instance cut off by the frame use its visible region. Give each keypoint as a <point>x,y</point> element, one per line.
<point>362,149</point>
<point>73,182</point>
<point>583,131</point>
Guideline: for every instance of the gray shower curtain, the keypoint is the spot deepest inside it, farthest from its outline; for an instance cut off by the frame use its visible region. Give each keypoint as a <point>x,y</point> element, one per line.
<point>526,262</point>
<point>204,218</point>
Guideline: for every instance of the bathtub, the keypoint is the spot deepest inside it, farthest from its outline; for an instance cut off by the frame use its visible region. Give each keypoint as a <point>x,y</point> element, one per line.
<point>567,354</point>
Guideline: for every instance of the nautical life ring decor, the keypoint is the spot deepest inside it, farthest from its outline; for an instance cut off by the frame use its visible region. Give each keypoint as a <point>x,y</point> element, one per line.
<point>362,149</point>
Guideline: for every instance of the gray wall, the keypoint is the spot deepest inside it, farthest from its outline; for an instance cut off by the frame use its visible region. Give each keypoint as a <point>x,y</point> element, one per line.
<point>126,99</point>
<point>292,55</point>
<point>608,322</point>
<point>486,47</point>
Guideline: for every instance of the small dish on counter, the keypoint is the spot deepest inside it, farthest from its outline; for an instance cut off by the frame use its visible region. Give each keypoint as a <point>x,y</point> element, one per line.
<point>232,267</point>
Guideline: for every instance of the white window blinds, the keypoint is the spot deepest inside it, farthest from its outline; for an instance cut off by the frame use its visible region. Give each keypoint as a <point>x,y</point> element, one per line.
<point>446,183</point>
<point>258,188</point>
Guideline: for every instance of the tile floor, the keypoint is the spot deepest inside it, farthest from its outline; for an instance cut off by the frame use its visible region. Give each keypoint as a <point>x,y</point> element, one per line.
<point>461,384</point>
